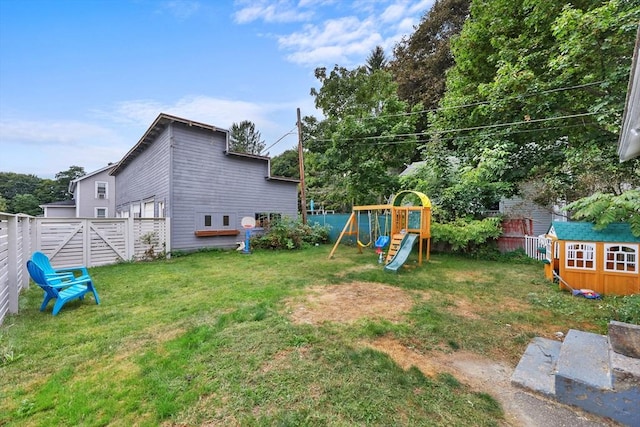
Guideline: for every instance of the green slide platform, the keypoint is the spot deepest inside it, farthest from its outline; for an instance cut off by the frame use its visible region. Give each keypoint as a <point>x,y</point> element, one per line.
<point>403,253</point>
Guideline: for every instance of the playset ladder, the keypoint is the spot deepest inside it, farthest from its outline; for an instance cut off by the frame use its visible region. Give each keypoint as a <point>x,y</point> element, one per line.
<point>394,246</point>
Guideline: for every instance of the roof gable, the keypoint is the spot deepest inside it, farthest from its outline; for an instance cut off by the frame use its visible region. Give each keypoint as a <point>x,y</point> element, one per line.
<point>158,126</point>
<point>584,232</point>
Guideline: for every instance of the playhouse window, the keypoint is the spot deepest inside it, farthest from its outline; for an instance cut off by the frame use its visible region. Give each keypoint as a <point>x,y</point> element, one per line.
<point>621,258</point>
<point>581,255</point>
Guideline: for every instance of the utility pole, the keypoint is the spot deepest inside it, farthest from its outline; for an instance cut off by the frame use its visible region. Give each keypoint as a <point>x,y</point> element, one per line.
<point>303,199</point>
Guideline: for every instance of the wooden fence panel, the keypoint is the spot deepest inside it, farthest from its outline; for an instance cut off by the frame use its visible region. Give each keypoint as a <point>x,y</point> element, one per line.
<point>70,242</point>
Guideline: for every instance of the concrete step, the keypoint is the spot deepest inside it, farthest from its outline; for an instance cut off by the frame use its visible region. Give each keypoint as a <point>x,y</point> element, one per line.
<point>585,378</point>
<point>586,372</point>
<point>584,358</point>
<point>536,369</point>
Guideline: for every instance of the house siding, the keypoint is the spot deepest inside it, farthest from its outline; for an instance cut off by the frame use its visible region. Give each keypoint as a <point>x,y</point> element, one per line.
<point>146,177</point>
<point>206,181</point>
<point>183,164</point>
<point>85,196</point>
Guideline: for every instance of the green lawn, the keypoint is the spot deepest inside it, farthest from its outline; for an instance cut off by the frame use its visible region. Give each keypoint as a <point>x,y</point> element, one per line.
<point>207,339</point>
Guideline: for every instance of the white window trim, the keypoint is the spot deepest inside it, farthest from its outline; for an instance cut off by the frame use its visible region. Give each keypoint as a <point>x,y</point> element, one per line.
<point>106,212</point>
<point>626,261</point>
<point>589,250</point>
<point>106,190</point>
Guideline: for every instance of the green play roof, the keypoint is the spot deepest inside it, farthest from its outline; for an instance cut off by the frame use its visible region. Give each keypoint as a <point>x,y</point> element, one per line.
<point>584,232</point>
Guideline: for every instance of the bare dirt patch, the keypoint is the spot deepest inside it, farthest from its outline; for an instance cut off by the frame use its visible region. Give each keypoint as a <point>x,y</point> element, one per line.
<point>347,303</point>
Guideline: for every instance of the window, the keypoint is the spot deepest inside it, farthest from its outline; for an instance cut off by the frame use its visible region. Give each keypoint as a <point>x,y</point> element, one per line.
<point>101,190</point>
<point>225,220</point>
<point>148,209</point>
<point>207,220</point>
<point>580,255</point>
<point>263,219</point>
<point>160,209</point>
<point>621,258</point>
<point>101,212</point>
<point>135,211</point>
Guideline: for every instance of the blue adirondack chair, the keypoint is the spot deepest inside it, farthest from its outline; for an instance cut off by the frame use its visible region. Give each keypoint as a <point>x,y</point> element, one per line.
<point>59,288</point>
<point>42,261</point>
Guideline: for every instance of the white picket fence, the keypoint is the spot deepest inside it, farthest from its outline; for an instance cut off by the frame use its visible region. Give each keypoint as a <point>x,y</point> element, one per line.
<point>537,247</point>
<point>71,242</point>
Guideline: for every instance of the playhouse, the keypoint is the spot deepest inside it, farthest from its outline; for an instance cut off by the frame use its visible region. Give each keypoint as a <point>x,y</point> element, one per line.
<point>605,261</point>
<point>410,217</point>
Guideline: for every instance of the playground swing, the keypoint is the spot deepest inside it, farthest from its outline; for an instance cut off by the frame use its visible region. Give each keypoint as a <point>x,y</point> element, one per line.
<point>362,245</point>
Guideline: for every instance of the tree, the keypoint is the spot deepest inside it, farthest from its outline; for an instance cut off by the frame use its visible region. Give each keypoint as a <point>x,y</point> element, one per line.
<point>536,92</point>
<point>422,60</point>
<point>26,204</point>
<point>63,178</point>
<point>3,204</point>
<point>604,209</point>
<point>376,60</point>
<point>365,139</point>
<point>286,164</point>
<point>245,138</point>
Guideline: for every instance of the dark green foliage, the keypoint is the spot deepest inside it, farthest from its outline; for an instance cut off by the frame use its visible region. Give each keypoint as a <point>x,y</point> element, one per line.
<point>604,209</point>
<point>245,139</point>
<point>466,236</point>
<point>289,234</point>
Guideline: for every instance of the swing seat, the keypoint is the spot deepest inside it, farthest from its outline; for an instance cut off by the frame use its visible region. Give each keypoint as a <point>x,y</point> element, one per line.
<point>362,245</point>
<point>382,241</point>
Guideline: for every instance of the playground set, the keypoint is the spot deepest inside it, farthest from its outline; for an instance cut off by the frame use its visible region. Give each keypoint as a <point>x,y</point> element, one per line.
<point>410,224</point>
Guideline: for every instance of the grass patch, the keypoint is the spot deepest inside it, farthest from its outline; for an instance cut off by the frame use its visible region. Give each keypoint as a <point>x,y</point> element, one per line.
<point>207,338</point>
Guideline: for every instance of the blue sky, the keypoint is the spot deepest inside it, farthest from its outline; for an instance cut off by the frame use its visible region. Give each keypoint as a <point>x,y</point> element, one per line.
<point>82,80</point>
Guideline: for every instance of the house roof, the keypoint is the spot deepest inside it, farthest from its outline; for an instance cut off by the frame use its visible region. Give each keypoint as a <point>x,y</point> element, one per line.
<point>160,124</point>
<point>73,183</point>
<point>629,142</point>
<point>584,231</point>
<point>60,204</point>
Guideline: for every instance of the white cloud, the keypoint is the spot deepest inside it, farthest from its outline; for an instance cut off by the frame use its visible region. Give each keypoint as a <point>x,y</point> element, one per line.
<point>271,12</point>
<point>181,9</point>
<point>346,36</point>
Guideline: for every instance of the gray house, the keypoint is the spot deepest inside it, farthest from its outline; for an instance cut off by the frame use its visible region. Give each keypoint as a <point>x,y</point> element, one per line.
<point>183,170</point>
<point>629,142</point>
<point>94,194</point>
<point>93,197</point>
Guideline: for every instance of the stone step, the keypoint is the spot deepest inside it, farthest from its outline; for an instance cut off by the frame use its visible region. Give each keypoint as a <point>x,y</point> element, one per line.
<point>536,369</point>
<point>584,358</point>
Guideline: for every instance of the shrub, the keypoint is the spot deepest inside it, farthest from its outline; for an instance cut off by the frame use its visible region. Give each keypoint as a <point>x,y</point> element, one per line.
<point>467,236</point>
<point>289,234</point>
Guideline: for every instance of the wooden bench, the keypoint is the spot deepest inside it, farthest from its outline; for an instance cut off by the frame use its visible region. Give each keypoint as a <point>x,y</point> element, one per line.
<point>210,233</point>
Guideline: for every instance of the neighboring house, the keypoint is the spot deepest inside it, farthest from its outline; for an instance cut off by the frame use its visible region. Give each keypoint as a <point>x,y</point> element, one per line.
<point>183,170</point>
<point>94,194</point>
<point>93,197</point>
<point>518,207</point>
<point>629,142</point>
<point>605,261</point>
<point>60,209</point>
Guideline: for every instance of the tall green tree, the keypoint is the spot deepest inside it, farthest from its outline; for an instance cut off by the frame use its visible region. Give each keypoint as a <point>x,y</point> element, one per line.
<point>286,164</point>
<point>366,137</point>
<point>63,178</point>
<point>245,138</point>
<point>377,60</point>
<point>26,204</point>
<point>421,60</point>
<point>537,92</point>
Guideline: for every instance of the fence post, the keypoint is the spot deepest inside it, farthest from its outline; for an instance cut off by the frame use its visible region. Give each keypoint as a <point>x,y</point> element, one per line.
<point>167,236</point>
<point>12,259</point>
<point>130,239</point>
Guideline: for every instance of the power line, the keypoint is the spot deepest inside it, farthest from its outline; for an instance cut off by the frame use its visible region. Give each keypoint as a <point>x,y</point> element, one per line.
<point>496,125</point>
<point>475,104</point>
